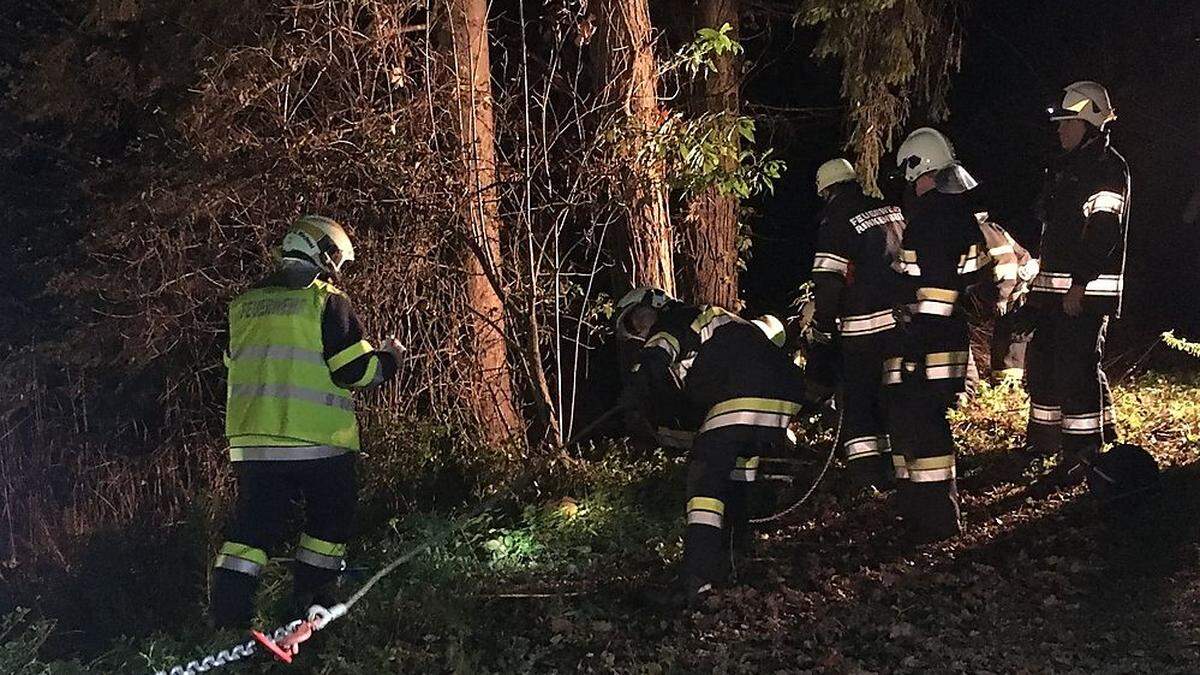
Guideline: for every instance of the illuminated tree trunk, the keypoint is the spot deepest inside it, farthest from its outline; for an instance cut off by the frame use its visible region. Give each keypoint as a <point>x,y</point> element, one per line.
<point>489,394</point>
<point>709,269</point>
<point>628,73</point>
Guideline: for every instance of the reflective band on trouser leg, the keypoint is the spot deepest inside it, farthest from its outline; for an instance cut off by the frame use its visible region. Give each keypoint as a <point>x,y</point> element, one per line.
<point>901,466</point>
<point>862,447</point>
<point>241,558</point>
<point>1049,415</point>
<point>892,370</point>
<point>931,469</point>
<point>745,470</point>
<point>320,553</point>
<point>1081,425</point>
<point>750,411</point>
<point>705,511</point>
<point>946,365</point>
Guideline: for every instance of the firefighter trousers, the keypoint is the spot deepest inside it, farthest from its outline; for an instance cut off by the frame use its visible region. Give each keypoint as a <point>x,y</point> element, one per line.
<point>924,456</point>
<point>1070,403</point>
<point>723,463</point>
<point>864,437</point>
<point>267,492</point>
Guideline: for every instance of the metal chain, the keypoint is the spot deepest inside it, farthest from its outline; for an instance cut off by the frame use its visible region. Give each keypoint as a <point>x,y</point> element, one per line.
<point>227,656</point>
<point>812,488</point>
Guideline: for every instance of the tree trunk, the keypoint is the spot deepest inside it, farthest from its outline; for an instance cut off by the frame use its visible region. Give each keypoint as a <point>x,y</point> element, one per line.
<point>490,392</point>
<point>628,73</point>
<point>709,273</point>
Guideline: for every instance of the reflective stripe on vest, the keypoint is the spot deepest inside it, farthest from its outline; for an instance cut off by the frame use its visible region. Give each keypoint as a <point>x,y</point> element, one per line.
<point>279,385</point>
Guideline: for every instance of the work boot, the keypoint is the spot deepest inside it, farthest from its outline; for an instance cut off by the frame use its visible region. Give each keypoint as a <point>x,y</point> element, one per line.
<point>933,513</point>
<point>870,475</point>
<point>231,603</point>
<point>698,594</point>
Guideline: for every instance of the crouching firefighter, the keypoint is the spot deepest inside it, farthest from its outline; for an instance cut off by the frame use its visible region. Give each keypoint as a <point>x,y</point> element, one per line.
<point>1085,209</point>
<point>296,352</point>
<point>742,387</point>
<point>942,253</point>
<point>854,289</point>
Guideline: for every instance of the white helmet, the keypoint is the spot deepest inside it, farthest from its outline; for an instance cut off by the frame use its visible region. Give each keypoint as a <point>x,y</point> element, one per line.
<point>1085,100</point>
<point>833,172</point>
<point>319,241</point>
<point>654,298</point>
<point>773,328</point>
<point>924,150</point>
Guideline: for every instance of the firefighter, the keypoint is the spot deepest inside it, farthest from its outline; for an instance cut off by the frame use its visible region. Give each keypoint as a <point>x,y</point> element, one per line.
<point>941,254</point>
<point>741,387</point>
<point>296,352</point>
<point>854,289</point>
<point>1084,210</point>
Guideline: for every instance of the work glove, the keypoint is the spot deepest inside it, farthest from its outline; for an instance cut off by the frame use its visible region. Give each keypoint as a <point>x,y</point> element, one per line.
<point>1022,322</point>
<point>392,347</point>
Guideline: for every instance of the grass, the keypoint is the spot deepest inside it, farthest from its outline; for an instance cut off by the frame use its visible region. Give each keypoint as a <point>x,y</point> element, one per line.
<point>555,585</point>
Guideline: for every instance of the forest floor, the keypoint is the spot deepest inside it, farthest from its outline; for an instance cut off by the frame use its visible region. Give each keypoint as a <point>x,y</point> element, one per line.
<point>1034,585</point>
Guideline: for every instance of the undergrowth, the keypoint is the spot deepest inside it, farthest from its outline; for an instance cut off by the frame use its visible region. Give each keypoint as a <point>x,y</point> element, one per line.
<point>540,587</point>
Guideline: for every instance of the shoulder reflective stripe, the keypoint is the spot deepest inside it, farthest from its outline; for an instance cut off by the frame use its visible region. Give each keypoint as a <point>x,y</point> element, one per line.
<point>235,564</point>
<point>931,469</point>
<point>245,552</point>
<point>664,341</point>
<point>371,374</point>
<point>283,453</point>
<point>349,354</point>
<point>901,466</point>
<point>1104,201</point>
<point>866,324</point>
<point>828,262</point>
<point>288,391</point>
<point>321,546</point>
<point>280,353</point>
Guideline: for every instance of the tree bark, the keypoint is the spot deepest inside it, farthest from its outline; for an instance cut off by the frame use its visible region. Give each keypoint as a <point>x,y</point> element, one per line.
<point>489,394</point>
<point>709,269</point>
<point>628,76</point>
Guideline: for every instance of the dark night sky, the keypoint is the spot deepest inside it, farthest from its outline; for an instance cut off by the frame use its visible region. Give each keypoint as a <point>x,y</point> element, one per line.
<point>1017,57</point>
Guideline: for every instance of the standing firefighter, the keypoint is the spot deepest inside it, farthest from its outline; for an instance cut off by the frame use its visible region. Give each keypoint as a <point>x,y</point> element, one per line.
<point>741,385</point>
<point>941,255</point>
<point>1085,209</point>
<point>855,289</point>
<point>296,350</point>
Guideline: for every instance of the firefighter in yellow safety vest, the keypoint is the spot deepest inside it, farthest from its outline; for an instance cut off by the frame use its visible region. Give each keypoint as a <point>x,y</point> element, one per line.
<point>296,352</point>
